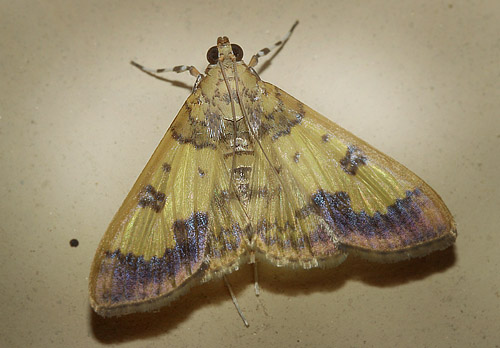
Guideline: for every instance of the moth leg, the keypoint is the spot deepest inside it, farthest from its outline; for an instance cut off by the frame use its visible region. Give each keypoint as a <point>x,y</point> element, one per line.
<point>178,69</point>
<point>255,274</point>
<point>255,59</point>
<point>235,302</point>
<point>256,279</point>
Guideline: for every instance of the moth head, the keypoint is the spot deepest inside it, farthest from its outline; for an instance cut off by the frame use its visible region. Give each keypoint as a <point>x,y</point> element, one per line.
<point>224,51</point>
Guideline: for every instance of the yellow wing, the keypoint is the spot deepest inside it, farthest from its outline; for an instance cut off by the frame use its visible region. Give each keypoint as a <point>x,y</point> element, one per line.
<point>179,225</point>
<point>320,192</point>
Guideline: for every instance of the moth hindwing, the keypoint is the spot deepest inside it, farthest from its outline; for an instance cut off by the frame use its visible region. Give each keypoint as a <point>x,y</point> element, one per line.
<point>247,170</point>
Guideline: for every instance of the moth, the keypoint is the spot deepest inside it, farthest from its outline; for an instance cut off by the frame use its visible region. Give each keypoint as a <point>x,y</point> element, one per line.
<point>247,172</point>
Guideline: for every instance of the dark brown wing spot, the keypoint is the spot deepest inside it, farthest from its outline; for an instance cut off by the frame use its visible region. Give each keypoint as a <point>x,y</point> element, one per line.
<point>283,125</point>
<point>201,172</point>
<point>325,138</point>
<point>353,159</point>
<point>166,167</point>
<point>149,197</point>
<point>296,157</point>
<point>197,142</point>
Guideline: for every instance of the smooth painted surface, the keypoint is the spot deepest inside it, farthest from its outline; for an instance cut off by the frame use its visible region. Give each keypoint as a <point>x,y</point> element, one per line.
<point>78,123</point>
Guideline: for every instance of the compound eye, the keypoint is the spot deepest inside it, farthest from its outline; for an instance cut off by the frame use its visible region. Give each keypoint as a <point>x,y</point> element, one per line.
<point>213,55</point>
<point>237,51</point>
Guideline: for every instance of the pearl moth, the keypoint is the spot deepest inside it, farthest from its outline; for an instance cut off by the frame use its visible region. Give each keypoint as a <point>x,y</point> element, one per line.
<point>248,173</point>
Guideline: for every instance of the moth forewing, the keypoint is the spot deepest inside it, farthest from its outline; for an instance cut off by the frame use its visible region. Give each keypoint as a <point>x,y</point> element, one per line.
<point>176,218</point>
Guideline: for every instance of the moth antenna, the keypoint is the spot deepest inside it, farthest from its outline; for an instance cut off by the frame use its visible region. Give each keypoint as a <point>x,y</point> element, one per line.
<point>235,302</point>
<point>178,69</point>
<point>255,59</point>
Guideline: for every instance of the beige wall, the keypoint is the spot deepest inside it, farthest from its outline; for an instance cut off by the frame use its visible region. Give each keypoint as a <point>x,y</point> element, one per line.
<point>419,80</point>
